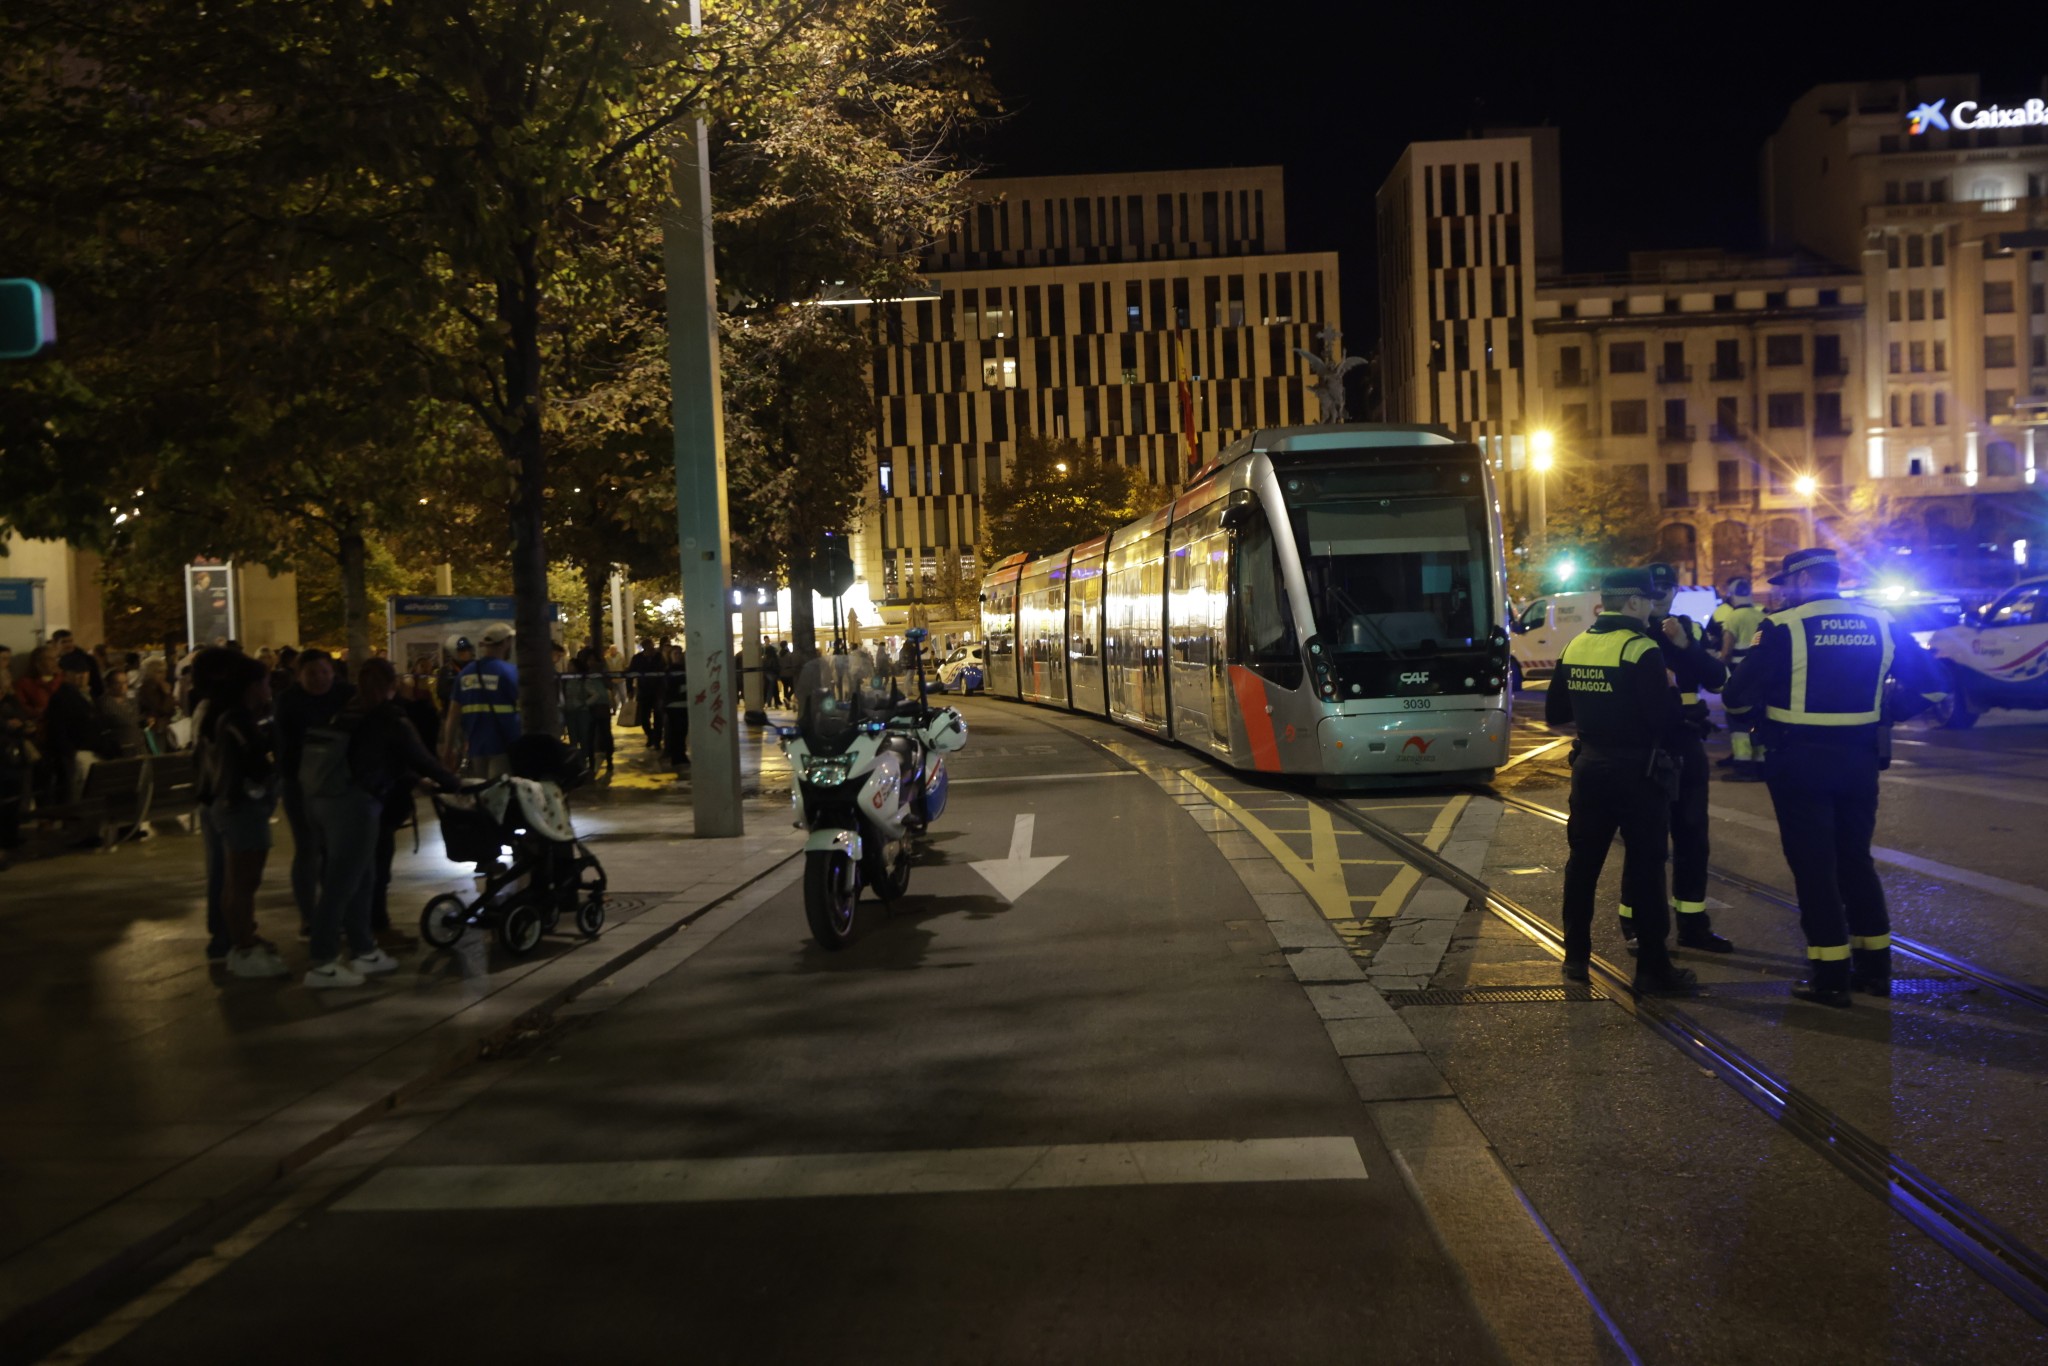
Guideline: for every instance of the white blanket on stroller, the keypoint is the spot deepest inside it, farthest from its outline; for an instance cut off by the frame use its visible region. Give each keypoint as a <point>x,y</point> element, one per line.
<point>542,806</point>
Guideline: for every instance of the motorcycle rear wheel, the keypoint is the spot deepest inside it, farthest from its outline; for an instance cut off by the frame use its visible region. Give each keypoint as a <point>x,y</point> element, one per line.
<point>888,884</point>
<point>831,897</point>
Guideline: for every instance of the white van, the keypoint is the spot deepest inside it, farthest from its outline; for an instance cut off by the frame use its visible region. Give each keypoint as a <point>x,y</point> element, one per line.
<point>1547,624</point>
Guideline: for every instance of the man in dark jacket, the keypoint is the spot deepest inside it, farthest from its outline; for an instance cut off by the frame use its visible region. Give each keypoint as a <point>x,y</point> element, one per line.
<point>312,700</point>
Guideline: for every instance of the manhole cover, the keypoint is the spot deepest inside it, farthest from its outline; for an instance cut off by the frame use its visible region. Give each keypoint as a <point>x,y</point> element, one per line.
<point>1487,996</point>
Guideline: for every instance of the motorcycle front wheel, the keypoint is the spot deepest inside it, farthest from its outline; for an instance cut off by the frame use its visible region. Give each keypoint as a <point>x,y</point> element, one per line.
<point>831,896</point>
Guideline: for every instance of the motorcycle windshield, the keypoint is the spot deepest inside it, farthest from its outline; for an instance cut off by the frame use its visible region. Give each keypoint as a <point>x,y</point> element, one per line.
<point>837,694</point>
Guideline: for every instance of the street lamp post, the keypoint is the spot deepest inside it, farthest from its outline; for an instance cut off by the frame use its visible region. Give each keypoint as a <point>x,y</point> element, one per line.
<point>701,525</point>
<point>1542,454</point>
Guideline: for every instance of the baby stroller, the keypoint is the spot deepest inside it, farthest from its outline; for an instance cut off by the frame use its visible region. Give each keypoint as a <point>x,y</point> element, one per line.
<point>549,873</point>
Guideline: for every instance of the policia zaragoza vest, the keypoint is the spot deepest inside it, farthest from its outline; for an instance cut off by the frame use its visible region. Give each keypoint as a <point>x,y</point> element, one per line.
<point>1841,652</point>
<point>1601,670</point>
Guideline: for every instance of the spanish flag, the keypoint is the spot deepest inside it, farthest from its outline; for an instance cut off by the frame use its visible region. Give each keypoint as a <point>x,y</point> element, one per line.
<point>1187,404</point>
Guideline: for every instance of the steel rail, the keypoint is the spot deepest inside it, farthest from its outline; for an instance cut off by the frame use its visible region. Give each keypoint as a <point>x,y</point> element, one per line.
<point>1967,1234</point>
<point>2023,992</point>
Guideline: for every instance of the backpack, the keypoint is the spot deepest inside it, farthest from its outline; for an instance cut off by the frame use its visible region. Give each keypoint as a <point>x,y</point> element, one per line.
<point>324,769</point>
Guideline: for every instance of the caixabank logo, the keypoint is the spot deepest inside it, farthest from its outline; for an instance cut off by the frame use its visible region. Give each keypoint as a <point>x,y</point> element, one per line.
<point>1972,114</point>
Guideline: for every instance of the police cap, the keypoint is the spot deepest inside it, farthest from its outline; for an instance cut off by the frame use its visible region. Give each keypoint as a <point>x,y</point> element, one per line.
<point>1664,577</point>
<point>1629,581</point>
<point>1818,558</point>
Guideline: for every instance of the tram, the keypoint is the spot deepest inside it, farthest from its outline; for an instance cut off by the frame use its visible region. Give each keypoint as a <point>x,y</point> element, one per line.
<point>1326,601</point>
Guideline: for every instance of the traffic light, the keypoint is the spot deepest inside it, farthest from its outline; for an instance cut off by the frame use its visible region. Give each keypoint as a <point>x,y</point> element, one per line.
<point>835,564</point>
<point>28,319</point>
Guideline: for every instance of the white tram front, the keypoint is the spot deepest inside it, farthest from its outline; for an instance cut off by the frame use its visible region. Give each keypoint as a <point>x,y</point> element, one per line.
<point>1320,600</point>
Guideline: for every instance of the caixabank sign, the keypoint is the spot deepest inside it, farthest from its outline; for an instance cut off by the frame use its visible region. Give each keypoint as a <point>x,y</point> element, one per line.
<point>1973,114</point>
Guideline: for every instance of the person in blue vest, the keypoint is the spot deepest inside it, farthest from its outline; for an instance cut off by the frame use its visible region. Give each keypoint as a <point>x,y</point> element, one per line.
<point>1612,685</point>
<point>1818,672</point>
<point>483,722</point>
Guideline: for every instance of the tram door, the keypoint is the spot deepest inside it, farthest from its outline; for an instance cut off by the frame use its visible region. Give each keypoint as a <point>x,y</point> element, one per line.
<point>1084,627</point>
<point>1042,630</point>
<point>1134,612</point>
<point>1198,595</point>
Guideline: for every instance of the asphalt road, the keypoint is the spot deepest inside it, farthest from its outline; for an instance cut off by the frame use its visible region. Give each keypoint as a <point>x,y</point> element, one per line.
<point>1129,1013</point>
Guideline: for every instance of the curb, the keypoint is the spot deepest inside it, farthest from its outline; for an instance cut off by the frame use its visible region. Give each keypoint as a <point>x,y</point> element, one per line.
<point>361,1098</point>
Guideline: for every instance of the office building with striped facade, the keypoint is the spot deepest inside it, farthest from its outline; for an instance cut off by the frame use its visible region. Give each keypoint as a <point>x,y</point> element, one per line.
<point>1465,229</point>
<point>1063,307</point>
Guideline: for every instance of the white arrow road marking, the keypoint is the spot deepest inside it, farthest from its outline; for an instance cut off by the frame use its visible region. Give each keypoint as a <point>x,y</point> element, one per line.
<point>1019,873</point>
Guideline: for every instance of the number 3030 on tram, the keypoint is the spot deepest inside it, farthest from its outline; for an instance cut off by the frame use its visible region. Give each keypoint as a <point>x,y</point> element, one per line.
<point>1326,601</point>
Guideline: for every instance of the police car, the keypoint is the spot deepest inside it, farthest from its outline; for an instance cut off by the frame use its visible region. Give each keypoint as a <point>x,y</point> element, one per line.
<point>954,669</point>
<point>1996,658</point>
<point>1547,625</point>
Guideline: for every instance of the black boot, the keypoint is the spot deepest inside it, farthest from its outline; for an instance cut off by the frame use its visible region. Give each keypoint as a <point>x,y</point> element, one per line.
<point>1628,928</point>
<point>1695,931</point>
<point>1670,981</point>
<point>1575,970</point>
<point>1870,971</point>
<point>1826,985</point>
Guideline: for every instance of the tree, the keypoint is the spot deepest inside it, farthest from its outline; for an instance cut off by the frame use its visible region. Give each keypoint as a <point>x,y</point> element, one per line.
<point>1060,492</point>
<point>1602,519</point>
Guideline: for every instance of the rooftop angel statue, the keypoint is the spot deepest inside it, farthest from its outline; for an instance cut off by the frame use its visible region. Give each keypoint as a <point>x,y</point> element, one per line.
<point>1329,369</point>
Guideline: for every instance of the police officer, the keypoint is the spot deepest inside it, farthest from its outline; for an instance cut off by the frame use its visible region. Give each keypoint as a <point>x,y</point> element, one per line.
<point>1735,624</point>
<point>1693,667</point>
<point>1611,683</point>
<point>1818,672</point>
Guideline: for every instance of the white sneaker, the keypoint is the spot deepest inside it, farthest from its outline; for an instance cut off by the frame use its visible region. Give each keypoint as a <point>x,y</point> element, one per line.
<point>261,961</point>
<point>335,974</point>
<point>373,962</point>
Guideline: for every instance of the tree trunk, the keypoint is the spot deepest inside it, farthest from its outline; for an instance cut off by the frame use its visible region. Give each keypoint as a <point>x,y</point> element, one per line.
<point>354,557</point>
<point>540,710</point>
<point>597,586</point>
<point>803,623</point>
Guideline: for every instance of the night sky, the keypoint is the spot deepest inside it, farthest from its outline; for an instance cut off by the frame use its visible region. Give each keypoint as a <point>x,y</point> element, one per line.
<point>1660,135</point>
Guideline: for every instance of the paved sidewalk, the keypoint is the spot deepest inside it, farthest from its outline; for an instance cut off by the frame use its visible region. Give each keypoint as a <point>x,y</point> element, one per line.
<point>147,1090</point>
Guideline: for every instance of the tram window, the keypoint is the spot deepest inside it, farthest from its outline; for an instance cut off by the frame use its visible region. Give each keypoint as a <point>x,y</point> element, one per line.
<point>1265,627</point>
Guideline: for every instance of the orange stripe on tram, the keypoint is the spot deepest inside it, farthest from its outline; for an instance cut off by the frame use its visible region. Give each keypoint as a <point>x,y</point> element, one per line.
<point>1258,725</point>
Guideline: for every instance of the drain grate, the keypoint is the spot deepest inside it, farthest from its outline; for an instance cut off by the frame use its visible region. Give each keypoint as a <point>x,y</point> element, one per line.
<point>1931,986</point>
<point>1489,996</point>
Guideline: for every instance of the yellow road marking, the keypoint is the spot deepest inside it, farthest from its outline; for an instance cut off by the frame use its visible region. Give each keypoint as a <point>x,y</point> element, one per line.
<point>1389,902</point>
<point>1321,876</point>
<point>1529,754</point>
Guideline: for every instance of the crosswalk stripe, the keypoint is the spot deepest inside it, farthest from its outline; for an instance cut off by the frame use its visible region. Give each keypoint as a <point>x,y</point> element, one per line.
<point>828,1175</point>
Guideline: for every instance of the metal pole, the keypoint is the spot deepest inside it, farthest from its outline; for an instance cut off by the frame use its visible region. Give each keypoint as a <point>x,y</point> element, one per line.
<point>619,632</point>
<point>700,488</point>
<point>750,656</point>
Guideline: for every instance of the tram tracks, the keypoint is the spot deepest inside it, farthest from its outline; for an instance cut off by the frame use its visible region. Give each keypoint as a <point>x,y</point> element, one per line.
<point>2023,992</point>
<point>1965,1232</point>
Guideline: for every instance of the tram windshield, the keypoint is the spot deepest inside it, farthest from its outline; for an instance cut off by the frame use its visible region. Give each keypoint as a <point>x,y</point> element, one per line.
<point>1398,577</point>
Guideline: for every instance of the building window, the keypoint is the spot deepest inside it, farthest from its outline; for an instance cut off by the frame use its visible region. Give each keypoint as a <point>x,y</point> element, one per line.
<point>1891,192</point>
<point>1998,352</point>
<point>999,373</point>
<point>1724,303</point>
<point>2039,347</point>
<point>1829,298</point>
<point>1940,407</point>
<point>1887,142</point>
<point>1937,247</point>
<point>1631,358</point>
<point>1997,403</point>
<point>1940,357</point>
<point>1891,250</point>
<point>1785,350</point>
<point>1916,192</point>
<point>1916,250</point>
<point>1895,411</point>
<point>1892,307</point>
<point>1998,296</point>
<point>1916,305</point>
<point>1572,418</point>
<point>1917,356</point>
<point>1774,298</point>
<point>1940,304</point>
<point>1785,410</point>
<point>1569,366</point>
<point>2001,460</point>
<point>1896,349</point>
<point>1916,410</point>
<point>1629,417</point>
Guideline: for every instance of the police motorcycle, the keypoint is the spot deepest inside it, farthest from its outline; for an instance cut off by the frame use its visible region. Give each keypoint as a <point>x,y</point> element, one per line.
<point>869,771</point>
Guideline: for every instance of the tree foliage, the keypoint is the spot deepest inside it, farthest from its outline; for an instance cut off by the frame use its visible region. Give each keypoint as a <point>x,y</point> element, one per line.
<point>1061,491</point>
<point>1605,520</point>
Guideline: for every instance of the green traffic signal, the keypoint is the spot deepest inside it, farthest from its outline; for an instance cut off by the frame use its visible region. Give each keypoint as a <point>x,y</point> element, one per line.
<point>28,319</point>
